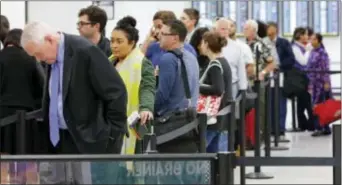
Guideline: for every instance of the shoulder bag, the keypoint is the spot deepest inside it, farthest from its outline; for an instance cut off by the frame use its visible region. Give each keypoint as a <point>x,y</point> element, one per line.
<point>178,123</point>
<point>209,104</point>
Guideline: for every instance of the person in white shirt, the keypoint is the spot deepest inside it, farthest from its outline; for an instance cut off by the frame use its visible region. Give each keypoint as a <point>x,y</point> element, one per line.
<point>246,50</point>
<point>190,18</point>
<point>302,50</point>
<point>234,55</point>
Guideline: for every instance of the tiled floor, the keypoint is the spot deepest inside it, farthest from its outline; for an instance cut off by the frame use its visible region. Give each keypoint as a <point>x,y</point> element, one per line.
<point>302,144</point>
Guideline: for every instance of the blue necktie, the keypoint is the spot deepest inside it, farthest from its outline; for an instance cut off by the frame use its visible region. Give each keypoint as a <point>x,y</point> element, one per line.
<point>53,112</point>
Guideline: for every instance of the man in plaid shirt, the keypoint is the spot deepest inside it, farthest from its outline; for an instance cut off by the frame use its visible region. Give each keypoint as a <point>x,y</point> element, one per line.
<point>265,60</point>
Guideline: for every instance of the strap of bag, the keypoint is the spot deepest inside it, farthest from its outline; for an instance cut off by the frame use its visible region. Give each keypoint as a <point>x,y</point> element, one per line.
<point>211,64</point>
<point>179,54</point>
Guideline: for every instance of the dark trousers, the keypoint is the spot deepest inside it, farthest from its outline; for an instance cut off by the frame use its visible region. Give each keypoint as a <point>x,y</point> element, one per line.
<point>304,104</point>
<point>282,113</point>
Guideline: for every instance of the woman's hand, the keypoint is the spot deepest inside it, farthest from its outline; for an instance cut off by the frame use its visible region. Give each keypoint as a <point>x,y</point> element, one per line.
<point>145,116</point>
<point>338,113</point>
<point>326,86</point>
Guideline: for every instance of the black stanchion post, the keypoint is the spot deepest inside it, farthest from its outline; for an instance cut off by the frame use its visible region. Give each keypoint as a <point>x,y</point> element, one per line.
<point>294,113</point>
<point>257,174</point>
<point>21,131</point>
<point>242,135</point>
<point>267,137</point>
<point>337,154</point>
<point>275,84</point>
<point>225,164</point>
<point>231,128</point>
<point>152,139</point>
<point>202,129</point>
<point>281,96</point>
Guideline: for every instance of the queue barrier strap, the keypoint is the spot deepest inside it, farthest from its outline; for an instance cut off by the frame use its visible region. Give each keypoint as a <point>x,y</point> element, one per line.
<point>287,161</point>
<point>36,114</point>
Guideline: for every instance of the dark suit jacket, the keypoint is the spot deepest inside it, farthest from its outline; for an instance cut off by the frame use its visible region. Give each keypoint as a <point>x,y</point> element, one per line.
<point>94,98</point>
<point>285,53</point>
<point>21,80</point>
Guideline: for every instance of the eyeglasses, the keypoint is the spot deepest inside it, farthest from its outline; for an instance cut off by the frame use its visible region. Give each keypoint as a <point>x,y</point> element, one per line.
<point>83,23</point>
<point>167,34</point>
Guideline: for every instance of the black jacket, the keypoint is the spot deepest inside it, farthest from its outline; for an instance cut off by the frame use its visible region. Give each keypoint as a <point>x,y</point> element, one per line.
<point>104,45</point>
<point>21,79</point>
<point>94,98</point>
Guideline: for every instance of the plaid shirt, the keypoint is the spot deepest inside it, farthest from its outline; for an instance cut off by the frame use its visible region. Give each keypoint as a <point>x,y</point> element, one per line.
<point>265,52</point>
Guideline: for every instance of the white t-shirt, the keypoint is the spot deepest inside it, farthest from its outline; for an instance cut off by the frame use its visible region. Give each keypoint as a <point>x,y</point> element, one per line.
<point>301,58</point>
<point>235,57</point>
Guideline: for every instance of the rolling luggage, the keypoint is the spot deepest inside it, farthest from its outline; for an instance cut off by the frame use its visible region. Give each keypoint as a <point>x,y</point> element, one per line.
<point>250,124</point>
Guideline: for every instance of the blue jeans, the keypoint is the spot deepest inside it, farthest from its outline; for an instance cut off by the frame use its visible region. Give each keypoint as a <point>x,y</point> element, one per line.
<point>216,141</point>
<point>282,113</point>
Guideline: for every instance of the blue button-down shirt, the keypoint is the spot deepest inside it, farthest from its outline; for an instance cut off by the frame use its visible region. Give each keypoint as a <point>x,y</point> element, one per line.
<point>60,63</point>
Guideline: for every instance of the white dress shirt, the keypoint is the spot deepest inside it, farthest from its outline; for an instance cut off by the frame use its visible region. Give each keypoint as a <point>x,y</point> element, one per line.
<point>301,58</point>
<point>235,57</point>
<point>246,52</point>
<point>272,45</point>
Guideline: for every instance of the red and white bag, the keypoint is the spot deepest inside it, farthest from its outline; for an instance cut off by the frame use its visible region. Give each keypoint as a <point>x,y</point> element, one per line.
<point>209,105</point>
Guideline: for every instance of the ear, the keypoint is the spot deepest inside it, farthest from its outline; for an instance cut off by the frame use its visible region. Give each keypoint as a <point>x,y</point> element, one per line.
<point>48,38</point>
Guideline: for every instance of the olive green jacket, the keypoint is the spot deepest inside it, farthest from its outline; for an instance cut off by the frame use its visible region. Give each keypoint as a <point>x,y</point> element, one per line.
<point>147,89</point>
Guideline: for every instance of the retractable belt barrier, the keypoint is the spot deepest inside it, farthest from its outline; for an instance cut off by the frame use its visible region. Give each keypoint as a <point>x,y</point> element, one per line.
<point>37,114</point>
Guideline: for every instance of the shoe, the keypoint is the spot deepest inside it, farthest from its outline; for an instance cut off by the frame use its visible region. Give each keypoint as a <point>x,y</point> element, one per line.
<point>326,132</point>
<point>317,133</point>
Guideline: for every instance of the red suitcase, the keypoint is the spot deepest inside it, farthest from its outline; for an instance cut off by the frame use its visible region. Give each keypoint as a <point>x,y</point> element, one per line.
<point>327,110</point>
<point>250,124</point>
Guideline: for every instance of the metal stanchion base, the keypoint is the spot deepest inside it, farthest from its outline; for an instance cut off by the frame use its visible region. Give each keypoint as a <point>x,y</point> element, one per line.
<point>284,140</point>
<point>281,140</point>
<point>295,130</point>
<point>258,175</point>
<point>279,148</point>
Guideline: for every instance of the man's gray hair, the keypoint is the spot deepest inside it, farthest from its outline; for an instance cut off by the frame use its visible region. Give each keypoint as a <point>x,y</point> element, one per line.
<point>252,23</point>
<point>220,21</point>
<point>35,32</point>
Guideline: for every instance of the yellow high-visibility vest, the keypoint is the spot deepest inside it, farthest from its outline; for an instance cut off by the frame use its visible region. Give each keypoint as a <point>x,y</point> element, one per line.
<point>130,72</point>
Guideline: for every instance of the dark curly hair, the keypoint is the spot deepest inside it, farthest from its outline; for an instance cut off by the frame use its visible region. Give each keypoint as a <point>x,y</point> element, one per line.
<point>127,25</point>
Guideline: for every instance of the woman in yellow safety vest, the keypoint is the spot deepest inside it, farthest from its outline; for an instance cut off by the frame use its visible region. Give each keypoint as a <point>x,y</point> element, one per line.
<point>137,72</point>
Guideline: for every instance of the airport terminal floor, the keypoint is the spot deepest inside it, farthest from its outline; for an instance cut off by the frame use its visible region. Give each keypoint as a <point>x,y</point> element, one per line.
<point>302,145</point>
<point>170,92</point>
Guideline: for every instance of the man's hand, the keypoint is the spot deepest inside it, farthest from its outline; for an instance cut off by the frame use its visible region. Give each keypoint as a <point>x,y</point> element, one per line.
<point>145,116</point>
<point>250,70</point>
<point>262,75</point>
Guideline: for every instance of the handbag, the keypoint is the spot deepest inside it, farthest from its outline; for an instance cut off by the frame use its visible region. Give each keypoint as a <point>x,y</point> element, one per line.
<point>177,123</point>
<point>327,110</point>
<point>295,82</point>
<point>209,104</point>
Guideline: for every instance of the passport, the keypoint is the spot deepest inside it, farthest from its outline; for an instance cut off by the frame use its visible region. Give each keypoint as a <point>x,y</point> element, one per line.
<point>138,129</point>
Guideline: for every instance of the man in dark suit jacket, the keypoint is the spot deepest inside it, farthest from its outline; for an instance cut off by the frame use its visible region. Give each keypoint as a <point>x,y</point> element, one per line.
<point>84,99</point>
<point>281,50</point>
